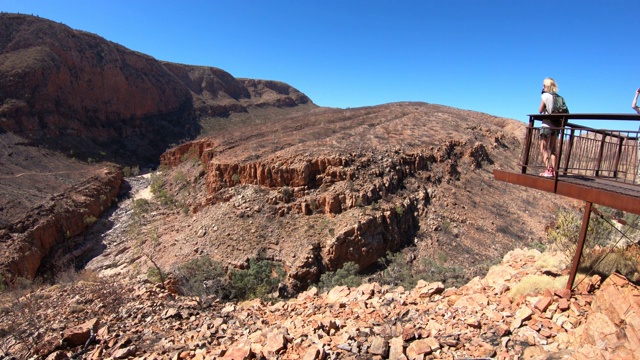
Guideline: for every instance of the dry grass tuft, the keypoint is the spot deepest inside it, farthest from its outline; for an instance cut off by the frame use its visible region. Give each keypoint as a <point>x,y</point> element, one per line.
<point>552,261</point>
<point>535,284</point>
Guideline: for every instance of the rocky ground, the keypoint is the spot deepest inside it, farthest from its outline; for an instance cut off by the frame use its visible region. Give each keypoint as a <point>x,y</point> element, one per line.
<point>519,310</point>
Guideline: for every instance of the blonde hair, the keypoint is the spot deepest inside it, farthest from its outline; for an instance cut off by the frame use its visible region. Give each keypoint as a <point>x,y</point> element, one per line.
<point>550,85</point>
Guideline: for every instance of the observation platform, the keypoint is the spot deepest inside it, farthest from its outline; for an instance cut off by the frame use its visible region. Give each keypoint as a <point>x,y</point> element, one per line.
<point>597,166</point>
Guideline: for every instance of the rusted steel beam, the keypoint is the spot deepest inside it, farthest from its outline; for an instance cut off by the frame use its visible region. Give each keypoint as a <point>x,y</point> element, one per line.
<point>531,181</point>
<point>589,116</point>
<point>612,199</point>
<point>580,246</point>
<point>601,196</point>
<point>560,147</point>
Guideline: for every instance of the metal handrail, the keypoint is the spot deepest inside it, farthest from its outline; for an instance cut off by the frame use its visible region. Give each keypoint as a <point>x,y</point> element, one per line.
<point>583,151</point>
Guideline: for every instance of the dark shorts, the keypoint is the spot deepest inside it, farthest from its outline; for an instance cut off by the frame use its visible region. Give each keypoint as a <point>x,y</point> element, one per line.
<point>546,132</point>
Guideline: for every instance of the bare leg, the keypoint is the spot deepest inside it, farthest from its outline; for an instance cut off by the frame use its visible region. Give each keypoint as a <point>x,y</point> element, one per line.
<point>552,152</point>
<point>544,146</point>
<point>544,143</point>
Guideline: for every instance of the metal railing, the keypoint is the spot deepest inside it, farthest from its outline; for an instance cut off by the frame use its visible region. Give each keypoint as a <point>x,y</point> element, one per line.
<point>584,151</point>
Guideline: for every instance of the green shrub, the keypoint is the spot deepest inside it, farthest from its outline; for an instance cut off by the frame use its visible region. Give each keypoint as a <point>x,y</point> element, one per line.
<point>600,254</point>
<point>180,178</point>
<point>538,246</point>
<point>141,206</point>
<point>203,276</point>
<point>157,183</point>
<point>287,192</point>
<point>564,235</point>
<point>345,276</point>
<point>165,198</point>
<point>616,260</point>
<point>446,226</point>
<point>441,270</point>
<point>397,271</point>
<point>154,275</point>
<point>90,220</point>
<point>131,171</point>
<point>258,281</point>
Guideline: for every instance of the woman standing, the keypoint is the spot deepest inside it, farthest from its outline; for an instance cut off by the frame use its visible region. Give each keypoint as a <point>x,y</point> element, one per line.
<point>548,131</point>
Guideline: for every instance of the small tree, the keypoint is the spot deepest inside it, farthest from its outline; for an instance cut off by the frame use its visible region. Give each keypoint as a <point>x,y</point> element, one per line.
<point>258,281</point>
<point>564,235</point>
<point>203,276</point>
<point>397,271</point>
<point>602,251</point>
<point>345,276</point>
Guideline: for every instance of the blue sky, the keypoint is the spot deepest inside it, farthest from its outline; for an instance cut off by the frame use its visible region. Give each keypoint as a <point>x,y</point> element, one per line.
<point>489,56</point>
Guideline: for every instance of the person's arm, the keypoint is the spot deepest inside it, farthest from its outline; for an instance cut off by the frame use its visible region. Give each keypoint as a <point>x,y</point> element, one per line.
<point>543,106</point>
<point>634,104</point>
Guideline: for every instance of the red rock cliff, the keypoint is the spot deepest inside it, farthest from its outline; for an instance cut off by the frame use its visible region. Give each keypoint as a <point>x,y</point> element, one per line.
<point>75,91</point>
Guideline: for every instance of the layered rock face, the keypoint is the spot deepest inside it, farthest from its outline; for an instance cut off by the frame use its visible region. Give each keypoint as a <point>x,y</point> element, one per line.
<point>25,243</point>
<point>46,199</point>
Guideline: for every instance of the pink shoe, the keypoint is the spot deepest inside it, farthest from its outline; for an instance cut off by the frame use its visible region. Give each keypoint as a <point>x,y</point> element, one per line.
<point>547,173</point>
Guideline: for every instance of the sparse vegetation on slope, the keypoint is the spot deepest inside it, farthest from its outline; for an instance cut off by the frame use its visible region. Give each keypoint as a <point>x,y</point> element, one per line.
<point>609,246</point>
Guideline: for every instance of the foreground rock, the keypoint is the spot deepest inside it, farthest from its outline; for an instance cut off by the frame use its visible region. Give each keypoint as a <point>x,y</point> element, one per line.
<point>486,318</point>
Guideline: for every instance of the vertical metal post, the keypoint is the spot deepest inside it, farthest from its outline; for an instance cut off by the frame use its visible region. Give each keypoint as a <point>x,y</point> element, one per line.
<point>637,154</point>
<point>600,153</point>
<point>527,145</point>
<point>559,146</point>
<point>580,247</point>
<point>569,150</point>
<point>637,172</point>
<point>618,155</point>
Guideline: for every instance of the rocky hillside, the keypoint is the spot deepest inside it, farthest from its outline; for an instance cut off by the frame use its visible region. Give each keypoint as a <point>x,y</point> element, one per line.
<point>272,175</point>
<point>317,190</point>
<point>493,317</point>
